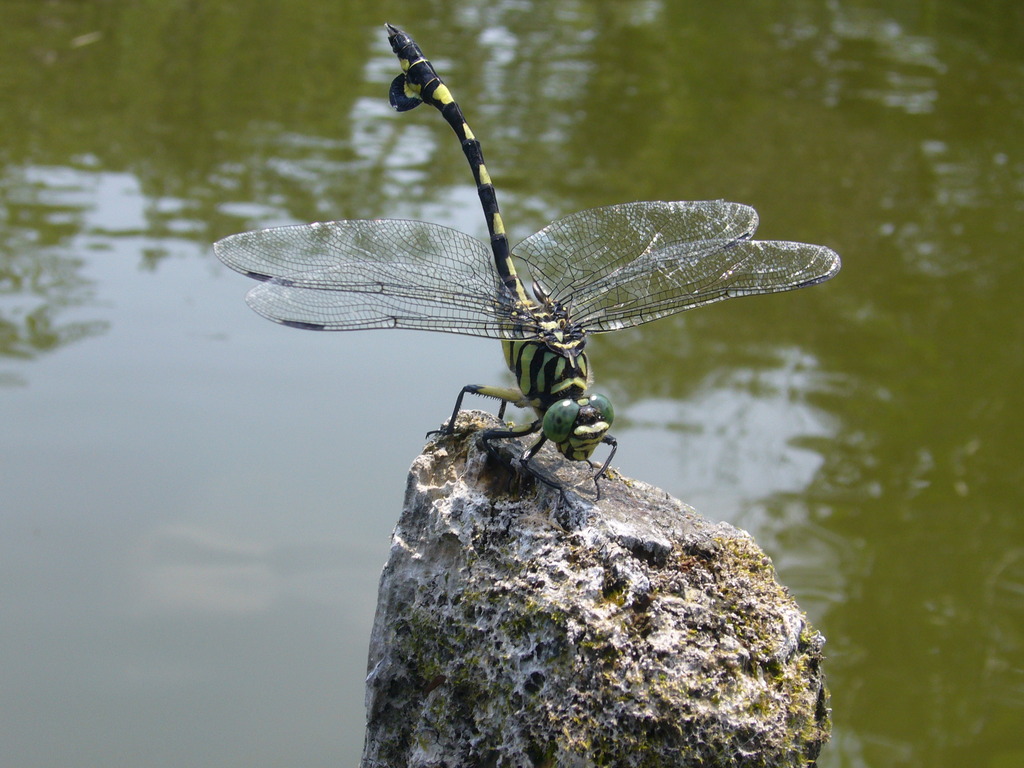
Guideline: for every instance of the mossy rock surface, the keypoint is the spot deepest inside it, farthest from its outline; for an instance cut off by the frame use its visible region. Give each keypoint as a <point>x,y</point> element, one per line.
<point>517,627</point>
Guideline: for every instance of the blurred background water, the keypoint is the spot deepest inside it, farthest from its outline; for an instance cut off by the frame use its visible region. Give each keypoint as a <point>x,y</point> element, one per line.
<point>195,504</point>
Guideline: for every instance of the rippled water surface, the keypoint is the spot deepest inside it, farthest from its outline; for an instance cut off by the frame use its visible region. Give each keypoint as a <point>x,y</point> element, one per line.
<point>195,504</point>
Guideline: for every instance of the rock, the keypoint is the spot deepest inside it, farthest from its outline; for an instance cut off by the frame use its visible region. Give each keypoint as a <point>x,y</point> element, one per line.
<point>521,627</point>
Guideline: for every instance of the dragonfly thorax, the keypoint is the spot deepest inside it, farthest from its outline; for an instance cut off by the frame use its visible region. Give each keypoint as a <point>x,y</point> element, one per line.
<point>558,332</point>
<point>547,370</point>
<point>566,345</point>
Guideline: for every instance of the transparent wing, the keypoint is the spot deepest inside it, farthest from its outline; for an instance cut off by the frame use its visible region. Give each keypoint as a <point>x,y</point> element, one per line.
<point>385,273</point>
<point>624,265</point>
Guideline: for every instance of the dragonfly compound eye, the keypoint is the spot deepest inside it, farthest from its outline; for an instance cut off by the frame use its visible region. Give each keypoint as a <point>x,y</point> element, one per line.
<point>604,408</point>
<point>560,420</point>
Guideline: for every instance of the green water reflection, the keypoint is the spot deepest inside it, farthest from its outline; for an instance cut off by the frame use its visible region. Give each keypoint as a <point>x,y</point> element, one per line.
<point>867,431</point>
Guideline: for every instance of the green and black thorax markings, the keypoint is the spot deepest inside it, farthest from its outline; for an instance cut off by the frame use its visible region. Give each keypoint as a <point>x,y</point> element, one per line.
<point>593,271</point>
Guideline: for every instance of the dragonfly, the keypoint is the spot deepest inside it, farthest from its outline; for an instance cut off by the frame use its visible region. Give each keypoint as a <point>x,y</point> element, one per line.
<point>595,271</point>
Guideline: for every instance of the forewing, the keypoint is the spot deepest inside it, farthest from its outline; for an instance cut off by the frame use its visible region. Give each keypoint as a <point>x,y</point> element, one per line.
<point>685,276</point>
<point>589,247</point>
<point>364,274</point>
<point>630,264</point>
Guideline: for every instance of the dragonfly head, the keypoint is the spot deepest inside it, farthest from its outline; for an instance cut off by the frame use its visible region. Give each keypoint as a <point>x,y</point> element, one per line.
<point>577,426</point>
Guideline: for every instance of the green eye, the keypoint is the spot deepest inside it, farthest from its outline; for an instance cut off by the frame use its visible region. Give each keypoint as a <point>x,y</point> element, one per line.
<point>559,420</point>
<point>603,406</point>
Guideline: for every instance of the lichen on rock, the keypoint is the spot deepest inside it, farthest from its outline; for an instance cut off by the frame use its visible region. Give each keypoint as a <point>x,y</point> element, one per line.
<point>517,626</point>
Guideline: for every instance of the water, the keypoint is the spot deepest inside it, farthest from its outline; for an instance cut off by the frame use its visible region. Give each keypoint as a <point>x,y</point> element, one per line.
<point>195,503</point>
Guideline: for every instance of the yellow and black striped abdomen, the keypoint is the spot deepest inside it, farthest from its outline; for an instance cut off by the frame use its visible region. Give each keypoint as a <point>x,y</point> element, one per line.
<point>419,83</point>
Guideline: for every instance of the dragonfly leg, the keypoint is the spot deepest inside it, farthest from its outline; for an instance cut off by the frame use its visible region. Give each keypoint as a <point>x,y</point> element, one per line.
<point>608,440</point>
<point>505,394</point>
<point>518,431</point>
<point>528,454</point>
